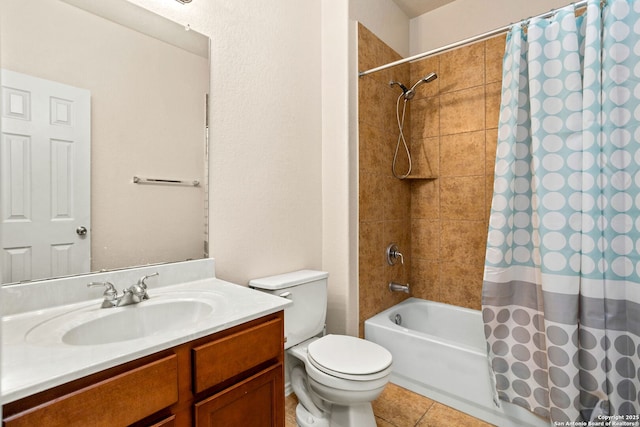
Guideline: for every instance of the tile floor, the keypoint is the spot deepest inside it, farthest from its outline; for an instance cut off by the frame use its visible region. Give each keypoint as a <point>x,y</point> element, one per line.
<point>399,407</point>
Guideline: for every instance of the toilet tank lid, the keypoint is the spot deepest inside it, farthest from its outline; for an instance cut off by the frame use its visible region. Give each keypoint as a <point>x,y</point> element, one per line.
<point>287,280</point>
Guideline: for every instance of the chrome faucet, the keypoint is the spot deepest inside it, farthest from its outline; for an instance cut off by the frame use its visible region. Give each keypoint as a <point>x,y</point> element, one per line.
<point>132,295</point>
<point>398,287</point>
<point>393,255</point>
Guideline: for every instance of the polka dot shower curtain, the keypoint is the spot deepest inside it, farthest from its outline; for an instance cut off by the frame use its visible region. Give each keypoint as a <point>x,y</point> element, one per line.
<point>561,295</point>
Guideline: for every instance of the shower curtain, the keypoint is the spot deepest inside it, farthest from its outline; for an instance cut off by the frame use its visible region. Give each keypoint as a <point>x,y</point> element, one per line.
<point>561,292</point>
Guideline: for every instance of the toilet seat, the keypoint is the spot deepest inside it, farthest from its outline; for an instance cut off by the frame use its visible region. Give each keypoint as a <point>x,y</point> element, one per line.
<point>349,358</point>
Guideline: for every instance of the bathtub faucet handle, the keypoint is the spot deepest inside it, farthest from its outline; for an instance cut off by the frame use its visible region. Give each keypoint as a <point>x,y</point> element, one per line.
<point>393,253</point>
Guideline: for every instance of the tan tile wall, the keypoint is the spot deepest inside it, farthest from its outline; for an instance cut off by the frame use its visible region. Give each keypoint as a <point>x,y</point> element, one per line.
<point>439,224</point>
<point>384,201</point>
<point>458,119</point>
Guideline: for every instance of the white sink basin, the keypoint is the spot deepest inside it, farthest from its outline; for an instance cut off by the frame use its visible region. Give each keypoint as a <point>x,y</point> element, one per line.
<point>160,315</point>
<point>132,322</point>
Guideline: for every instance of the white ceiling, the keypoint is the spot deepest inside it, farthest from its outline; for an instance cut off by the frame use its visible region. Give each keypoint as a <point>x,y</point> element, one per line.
<point>415,8</point>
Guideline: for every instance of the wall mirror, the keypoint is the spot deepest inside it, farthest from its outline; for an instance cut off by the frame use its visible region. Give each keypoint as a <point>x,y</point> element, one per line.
<point>95,93</point>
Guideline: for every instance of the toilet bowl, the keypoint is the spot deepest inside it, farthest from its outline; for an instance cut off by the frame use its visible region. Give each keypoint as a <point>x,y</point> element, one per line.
<point>344,374</point>
<point>335,377</point>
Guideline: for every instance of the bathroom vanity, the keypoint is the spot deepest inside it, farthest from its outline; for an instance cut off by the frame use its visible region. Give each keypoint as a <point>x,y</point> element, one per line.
<point>233,377</point>
<point>224,366</point>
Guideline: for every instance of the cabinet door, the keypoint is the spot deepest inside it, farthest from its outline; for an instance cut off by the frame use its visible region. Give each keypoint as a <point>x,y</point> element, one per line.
<point>167,422</point>
<point>257,401</point>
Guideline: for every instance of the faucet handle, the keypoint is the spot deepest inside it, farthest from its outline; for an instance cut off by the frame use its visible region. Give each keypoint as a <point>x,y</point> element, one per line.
<point>393,254</point>
<point>110,293</point>
<point>110,287</point>
<point>140,289</point>
<point>141,281</point>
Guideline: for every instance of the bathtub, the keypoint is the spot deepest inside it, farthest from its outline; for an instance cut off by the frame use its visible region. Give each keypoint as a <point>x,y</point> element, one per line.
<point>439,352</point>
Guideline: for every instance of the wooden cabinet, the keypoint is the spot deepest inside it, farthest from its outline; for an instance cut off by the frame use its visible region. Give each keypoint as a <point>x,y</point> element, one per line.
<point>232,378</point>
<point>252,402</point>
<point>221,359</point>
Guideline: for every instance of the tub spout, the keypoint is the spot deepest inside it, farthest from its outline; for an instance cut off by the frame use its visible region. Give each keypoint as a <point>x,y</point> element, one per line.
<point>397,287</point>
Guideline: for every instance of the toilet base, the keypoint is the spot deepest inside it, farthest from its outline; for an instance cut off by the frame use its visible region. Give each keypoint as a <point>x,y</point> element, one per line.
<point>358,415</point>
<point>305,419</point>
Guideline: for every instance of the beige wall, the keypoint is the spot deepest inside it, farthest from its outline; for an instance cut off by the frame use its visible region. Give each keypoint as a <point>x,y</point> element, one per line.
<point>281,196</point>
<point>386,20</point>
<point>339,196</point>
<point>266,132</point>
<point>438,216</point>
<point>132,125</point>
<point>462,19</point>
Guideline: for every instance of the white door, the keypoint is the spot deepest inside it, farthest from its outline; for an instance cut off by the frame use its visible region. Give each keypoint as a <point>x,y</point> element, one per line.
<point>44,178</point>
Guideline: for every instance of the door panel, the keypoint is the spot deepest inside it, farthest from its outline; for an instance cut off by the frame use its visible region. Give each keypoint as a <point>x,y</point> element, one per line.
<point>45,178</point>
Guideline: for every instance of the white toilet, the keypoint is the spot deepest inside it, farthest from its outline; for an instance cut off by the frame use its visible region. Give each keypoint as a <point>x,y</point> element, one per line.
<point>337,376</point>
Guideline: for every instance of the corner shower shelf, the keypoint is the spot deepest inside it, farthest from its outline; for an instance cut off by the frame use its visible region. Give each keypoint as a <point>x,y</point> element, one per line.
<point>415,177</point>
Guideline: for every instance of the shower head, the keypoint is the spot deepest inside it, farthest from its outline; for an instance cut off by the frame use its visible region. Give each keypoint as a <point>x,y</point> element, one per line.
<point>426,79</point>
<point>429,78</point>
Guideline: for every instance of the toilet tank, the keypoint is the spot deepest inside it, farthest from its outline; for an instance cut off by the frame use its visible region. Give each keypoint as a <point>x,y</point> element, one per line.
<point>307,289</point>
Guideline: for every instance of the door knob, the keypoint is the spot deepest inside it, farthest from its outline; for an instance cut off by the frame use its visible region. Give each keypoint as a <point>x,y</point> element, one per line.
<point>81,231</point>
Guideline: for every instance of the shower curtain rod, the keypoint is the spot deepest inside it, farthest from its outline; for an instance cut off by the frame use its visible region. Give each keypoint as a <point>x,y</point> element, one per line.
<point>460,43</point>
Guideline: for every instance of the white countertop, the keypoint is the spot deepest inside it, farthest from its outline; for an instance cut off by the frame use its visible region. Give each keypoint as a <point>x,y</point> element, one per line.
<point>30,367</point>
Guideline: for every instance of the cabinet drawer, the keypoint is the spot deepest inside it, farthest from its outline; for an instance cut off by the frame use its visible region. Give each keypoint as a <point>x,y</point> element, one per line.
<point>227,357</point>
<point>117,401</point>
